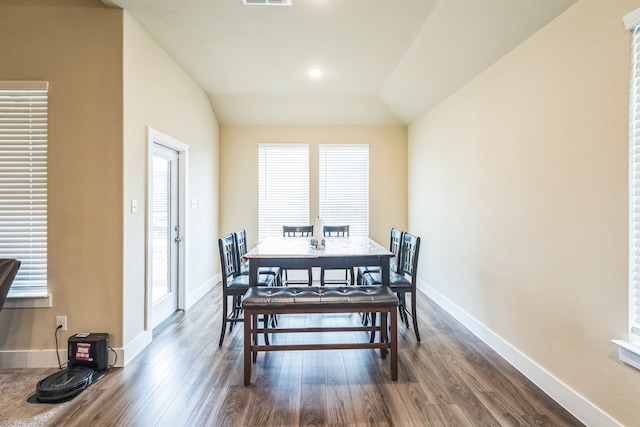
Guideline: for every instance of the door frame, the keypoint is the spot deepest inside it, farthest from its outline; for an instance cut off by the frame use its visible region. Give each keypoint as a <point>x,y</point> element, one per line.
<point>156,137</point>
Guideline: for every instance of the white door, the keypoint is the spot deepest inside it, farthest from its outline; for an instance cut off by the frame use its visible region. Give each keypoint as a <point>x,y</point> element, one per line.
<point>166,233</point>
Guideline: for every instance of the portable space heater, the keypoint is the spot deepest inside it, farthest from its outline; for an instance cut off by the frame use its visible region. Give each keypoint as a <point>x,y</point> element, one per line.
<point>87,362</point>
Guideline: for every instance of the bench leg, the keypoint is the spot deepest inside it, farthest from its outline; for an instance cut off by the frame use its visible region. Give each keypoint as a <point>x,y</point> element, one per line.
<point>247,347</point>
<point>383,333</point>
<point>394,344</point>
<point>254,324</point>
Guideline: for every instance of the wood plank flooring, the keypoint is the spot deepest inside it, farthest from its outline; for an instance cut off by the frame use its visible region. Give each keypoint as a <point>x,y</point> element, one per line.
<point>184,379</point>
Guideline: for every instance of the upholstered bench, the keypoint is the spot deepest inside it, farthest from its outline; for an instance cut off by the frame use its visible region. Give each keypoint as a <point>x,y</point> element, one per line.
<point>348,299</point>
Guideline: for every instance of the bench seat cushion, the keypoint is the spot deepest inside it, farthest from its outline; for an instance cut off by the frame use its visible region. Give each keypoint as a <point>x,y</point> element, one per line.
<point>316,297</point>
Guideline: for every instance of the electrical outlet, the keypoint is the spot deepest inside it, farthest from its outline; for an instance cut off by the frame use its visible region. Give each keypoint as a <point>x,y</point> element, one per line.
<point>61,321</point>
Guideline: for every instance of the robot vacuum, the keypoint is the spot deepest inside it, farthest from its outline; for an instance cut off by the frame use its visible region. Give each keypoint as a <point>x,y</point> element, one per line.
<point>88,354</point>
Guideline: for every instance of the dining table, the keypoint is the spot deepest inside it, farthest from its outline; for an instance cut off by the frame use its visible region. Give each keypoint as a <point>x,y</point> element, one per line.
<point>305,252</point>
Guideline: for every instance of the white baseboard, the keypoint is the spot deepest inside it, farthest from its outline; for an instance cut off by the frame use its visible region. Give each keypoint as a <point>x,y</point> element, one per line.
<point>195,295</point>
<point>133,348</point>
<point>572,401</point>
<point>10,359</point>
<point>14,359</point>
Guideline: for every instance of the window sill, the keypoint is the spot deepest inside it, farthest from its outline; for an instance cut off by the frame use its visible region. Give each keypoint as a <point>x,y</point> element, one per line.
<point>628,352</point>
<point>43,301</point>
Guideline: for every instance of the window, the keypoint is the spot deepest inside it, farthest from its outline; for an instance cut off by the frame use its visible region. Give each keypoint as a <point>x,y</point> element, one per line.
<point>283,187</point>
<point>23,183</point>
<point>634,183</point>
<point>629,351</point>
<point>344,186</point>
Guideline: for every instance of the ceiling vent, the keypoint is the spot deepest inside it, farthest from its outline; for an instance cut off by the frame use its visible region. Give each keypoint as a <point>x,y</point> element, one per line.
<point>268,2</point>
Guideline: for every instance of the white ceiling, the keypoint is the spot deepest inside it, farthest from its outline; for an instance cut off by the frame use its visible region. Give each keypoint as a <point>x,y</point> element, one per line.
<point>385,62</point>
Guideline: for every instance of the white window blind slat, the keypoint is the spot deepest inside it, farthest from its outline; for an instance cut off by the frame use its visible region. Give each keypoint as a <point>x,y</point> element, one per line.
<point>23,183</point>
<point>283,187</point>
<point>344,186</point>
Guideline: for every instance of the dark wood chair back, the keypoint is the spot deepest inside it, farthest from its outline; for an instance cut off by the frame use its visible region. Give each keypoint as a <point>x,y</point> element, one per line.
<point>297,230</point>
<point>349,278</point>
<point>408,263</point>
<point>336,231</point>
<point>241,248</point>
<point>395,245</point>
<point>228,257</point>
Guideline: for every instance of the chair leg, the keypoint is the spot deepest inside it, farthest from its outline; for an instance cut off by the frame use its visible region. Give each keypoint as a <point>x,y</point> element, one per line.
<point>400,308</point>
<point>265,323</point>
<point>365,319</point>
<point>414,315</point>
<point>403,309</point>
<point>224,320</point>
<point>237,309</point>
<point>373,323</point>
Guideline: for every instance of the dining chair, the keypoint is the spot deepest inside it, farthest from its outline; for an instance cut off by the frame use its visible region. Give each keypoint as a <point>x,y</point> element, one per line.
<point>242,249</point>
<point>234,285</point>
<point>349,275</point>
<point>296,231</point>
<point>395,242</point>
<point>404,280</point>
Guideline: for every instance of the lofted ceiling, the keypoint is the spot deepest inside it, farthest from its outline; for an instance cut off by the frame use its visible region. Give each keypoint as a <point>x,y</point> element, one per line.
<point>384,62</point>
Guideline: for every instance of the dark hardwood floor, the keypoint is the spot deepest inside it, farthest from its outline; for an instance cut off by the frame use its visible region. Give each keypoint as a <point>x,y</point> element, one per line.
<point>183,378</point>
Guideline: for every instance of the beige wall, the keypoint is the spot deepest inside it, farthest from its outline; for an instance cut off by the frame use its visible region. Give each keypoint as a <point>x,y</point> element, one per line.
<point>159,94</point>
<point>79,51</point>
<point>518,186</point>
<point>239,172</point>
<point>91,56</point>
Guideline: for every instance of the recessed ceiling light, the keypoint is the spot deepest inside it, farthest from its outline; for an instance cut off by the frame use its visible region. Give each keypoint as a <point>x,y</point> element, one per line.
<point>315,72</point>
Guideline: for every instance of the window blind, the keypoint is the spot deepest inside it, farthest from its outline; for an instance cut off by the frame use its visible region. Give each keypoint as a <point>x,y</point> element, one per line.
<point>283,187</point>
<point>23,183</point>
<point>344,186</point>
